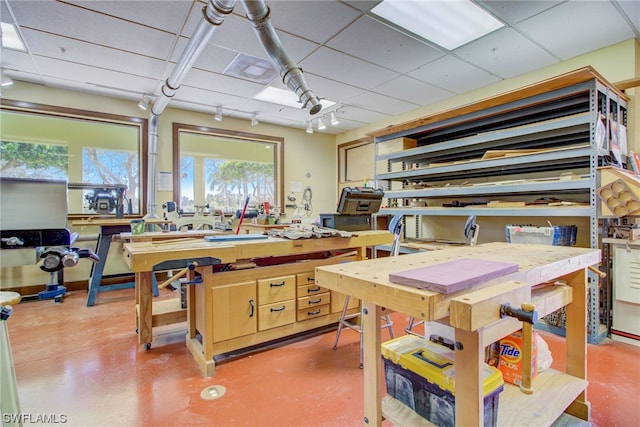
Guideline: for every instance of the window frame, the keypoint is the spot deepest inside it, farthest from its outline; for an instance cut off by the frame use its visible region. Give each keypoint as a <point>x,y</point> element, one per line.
<point>230,134</point>
<point>93,116</point>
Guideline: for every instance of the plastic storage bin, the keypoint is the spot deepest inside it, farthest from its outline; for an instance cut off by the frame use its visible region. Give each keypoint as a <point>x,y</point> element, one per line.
<point>421,375</point>
<point>557,235</point>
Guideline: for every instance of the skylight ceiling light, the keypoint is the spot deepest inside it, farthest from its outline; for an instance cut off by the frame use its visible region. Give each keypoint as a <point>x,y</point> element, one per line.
<point>449,24</point>
<point>10,38</point>
<point>285,97</point>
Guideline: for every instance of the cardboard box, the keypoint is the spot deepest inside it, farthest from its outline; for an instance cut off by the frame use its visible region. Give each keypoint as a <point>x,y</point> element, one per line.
<point>397,144</point>
<point>510,357</point>
<point>421,375</point>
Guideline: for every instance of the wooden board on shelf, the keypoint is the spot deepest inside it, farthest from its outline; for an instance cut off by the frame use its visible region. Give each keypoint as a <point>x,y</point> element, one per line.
<point>506,204</point>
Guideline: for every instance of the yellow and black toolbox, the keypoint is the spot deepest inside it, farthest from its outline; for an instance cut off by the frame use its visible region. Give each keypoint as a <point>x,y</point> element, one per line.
<point>421,374</point>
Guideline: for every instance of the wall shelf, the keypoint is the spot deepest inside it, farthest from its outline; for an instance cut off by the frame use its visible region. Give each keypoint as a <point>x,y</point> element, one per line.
<point>533,143</point>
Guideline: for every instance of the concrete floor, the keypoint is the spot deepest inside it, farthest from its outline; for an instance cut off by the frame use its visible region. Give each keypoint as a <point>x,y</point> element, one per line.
<point>84,363</point>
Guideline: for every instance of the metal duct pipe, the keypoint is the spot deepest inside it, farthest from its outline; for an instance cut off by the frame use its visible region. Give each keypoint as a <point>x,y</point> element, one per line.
<point>213,16</point>
<point>258,13</point>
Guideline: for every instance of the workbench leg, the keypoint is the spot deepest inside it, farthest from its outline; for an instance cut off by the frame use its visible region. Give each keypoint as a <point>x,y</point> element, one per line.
<point>576,340</point>
<point>145,308</point>
<point>372,369</point>
<point>469,378</point>
<point>104,242</point>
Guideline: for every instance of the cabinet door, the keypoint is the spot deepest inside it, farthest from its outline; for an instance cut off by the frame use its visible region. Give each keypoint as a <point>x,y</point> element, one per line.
<point>234,311</point>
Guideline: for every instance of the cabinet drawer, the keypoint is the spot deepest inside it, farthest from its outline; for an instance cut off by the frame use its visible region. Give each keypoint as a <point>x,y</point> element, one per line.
<point>276,314</point>
<point>276,289</point>
<point>308,278</point>
<point>309,290</point>
<point>313,312</point>
<point>314,301</point>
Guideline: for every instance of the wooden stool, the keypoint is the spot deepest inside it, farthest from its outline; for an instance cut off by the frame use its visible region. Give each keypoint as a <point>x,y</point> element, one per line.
<point>8,389</point>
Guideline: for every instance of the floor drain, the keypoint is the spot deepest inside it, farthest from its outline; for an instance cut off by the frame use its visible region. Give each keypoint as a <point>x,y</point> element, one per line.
<point>213,392</point>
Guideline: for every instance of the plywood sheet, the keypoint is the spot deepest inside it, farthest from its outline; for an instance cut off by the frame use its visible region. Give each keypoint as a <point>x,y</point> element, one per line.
<point>454,275</point>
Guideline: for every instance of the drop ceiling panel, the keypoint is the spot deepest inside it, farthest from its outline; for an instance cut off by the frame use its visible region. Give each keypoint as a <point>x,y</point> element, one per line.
<point>331,89</point>
<point>453,74</point>
<point>381,103</point>
<point>163,15</point>
<point>16,60</point>
<point>577,27</point>
<point>512,12</point>
<point>237,34</point>
<point>317,21</point>
<point>414,91</point>
<point>505,53</point>
<point>92,27</point>
<point>66,49</point>
<point>213,58</point>
<point>207,98</point>
<point>221,83</point>
<point>362,115</point>
<point>380,44</point>
<point>329,63</point>
<point>94,76</point>
<point>362,5</point>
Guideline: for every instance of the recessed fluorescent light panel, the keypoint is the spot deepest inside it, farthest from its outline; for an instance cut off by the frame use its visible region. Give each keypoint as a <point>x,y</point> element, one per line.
<point>10,38</point>
<point>450,23</point>
<point>285,97</point>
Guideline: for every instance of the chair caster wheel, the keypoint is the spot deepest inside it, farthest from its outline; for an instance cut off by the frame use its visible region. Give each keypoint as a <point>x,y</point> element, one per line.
<point>147,346</point>
<point>57,300</point>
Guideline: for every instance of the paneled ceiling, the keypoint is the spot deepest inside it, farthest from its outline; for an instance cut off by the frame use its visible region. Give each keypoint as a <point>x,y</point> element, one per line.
<point>126,49</point>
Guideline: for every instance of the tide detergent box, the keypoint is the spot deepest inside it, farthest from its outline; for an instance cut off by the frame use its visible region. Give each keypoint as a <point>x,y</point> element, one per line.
<point>510,357</point>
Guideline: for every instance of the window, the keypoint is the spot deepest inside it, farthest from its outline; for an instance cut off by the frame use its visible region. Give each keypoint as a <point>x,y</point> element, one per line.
<point>221,168</point>
<point>86,149</point>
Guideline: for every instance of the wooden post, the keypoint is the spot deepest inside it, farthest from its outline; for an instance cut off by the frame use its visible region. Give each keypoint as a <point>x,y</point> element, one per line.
<point>469,379</point>
<point>576,340</point>
<point>372,364</point>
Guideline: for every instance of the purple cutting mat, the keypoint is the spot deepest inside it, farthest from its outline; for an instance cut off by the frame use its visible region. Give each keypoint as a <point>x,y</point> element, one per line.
<point>453,276</point>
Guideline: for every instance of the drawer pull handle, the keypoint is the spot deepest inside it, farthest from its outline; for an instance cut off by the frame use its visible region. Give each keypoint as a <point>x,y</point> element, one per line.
<point>315,301</point>
<point>253,308</point>
<point>316,289</point>
<point>278,309</point>
<point>311,279</point>
<point>313,313</point>
<point>276,285</point>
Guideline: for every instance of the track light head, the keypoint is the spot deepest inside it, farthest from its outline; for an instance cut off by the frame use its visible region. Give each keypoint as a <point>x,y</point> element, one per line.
<point>144,103</point>
<point>218,115</point>
<point>254,120</point>
<point>334,119</point>
<point>6,80</point>
<point>321,125</point>
<point>309,127</point>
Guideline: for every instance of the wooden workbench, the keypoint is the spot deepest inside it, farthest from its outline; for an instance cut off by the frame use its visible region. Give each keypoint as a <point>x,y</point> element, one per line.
<point>226,301</point>
<point>109,229</point>
<point>475,316</point>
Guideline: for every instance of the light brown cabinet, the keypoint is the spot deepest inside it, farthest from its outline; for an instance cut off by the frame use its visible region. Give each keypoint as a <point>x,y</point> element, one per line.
<point>234,311</point>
